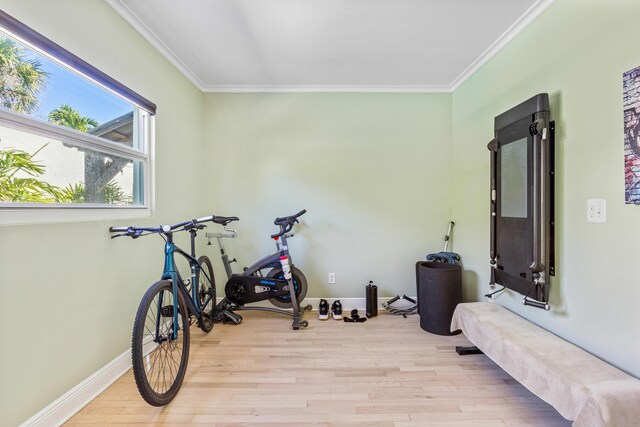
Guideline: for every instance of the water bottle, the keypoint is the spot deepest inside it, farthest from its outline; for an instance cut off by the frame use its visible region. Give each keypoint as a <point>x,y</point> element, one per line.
<point>371,293</point>
<point>286,268</point>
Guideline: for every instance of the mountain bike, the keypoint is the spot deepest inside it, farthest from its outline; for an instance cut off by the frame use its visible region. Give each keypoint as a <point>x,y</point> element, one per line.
<point>160,340</point>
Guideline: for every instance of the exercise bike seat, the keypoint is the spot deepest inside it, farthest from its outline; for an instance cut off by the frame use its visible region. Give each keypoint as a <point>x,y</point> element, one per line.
<point>224,220</point>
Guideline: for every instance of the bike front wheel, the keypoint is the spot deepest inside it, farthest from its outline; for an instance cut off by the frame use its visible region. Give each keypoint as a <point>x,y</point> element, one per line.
<point>299,286</point>
<point>159,359</point>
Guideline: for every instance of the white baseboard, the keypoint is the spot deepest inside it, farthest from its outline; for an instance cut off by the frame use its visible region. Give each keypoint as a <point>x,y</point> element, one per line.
<point>75,399</point>
<point>347,303</point>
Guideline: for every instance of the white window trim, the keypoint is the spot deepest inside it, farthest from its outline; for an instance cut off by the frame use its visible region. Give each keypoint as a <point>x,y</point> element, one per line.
<point>39,127</point>
<point>42,213</point>
<point>28,216</point>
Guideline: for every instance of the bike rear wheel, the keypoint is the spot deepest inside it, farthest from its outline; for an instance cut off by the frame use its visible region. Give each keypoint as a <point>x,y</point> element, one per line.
<point>206,293</point>
<point>159,360</point>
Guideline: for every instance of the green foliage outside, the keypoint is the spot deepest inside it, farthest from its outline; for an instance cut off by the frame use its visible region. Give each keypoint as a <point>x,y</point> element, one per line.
<point>29,189</point>
<point>21,81</point>
<point>33,190</point>
<point>67,116</point>
<point>113,194</point>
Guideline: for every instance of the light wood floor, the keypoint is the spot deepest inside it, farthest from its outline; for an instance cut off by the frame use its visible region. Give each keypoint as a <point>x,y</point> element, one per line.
<point>385,372</point>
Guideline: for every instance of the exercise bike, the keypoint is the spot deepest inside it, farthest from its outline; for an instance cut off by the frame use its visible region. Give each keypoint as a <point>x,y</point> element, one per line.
<point>273,278</point>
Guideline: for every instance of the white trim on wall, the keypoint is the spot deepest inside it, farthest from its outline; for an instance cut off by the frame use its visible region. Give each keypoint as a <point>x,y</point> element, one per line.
<point>78,397</point>
<point>348,304</point>
<point>527,18</point>
<point>125,12</point>
<point>523,22</point>
<point>324,89</point>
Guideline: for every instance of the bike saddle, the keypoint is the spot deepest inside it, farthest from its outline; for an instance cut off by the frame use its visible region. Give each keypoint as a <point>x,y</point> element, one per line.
<point>224,220</point>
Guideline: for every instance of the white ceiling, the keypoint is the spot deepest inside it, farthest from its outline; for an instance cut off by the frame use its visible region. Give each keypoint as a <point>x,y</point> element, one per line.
<point>328,45</point>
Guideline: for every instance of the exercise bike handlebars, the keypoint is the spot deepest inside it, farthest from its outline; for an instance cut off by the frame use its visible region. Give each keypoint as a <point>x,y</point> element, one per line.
<point>286,223</point>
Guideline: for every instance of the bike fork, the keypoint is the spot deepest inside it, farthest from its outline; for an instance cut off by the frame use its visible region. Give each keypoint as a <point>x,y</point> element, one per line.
<point>174,284</point>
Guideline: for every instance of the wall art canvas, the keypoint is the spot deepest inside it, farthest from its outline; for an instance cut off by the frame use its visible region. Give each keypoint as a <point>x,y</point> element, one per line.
<point>631,103</point>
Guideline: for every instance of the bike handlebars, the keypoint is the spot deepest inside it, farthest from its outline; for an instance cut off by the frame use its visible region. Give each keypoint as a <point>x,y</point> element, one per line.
<point>135,232</point>
<point>286,223</point>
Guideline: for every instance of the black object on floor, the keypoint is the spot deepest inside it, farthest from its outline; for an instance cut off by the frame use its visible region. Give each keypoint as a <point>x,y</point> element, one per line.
<point>439,288</point>
<point>323,309</point>
<point>355,317</point>
<point>402,308</point>
<point>463,351</point>
<point>336,310</point>
<point>371,293</point>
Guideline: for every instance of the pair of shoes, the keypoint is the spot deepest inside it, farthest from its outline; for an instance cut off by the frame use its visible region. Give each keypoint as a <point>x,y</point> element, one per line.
<point>323,310</point>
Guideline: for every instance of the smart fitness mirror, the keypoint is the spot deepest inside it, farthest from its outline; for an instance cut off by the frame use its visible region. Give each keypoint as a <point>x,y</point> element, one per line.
<point>522,224</point>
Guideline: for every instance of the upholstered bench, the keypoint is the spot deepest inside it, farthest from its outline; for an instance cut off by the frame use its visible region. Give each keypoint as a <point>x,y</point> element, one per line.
<point>581,387</point>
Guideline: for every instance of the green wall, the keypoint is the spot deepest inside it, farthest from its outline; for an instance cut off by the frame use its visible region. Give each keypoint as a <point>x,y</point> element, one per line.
<point>380,176</point>
<point>576,51</point>
<point>371,169</point>
<point>69,292</point>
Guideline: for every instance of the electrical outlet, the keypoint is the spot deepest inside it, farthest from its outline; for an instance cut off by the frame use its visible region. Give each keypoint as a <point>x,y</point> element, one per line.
<point>597,210</point>
<point>332,278</point>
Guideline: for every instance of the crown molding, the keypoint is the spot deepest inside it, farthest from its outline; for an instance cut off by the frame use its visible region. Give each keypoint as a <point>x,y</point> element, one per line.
<point>523,22</point>
<point>132,19</point>
<point>323,88</point>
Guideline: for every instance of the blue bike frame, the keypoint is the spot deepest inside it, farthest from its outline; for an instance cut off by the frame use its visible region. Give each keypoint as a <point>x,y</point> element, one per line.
<point>170,272</point>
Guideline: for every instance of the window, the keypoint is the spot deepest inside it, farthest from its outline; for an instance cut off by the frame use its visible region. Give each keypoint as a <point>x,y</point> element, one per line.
<point>70,136</point>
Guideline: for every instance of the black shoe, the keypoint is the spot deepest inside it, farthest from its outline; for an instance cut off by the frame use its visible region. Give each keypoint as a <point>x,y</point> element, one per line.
<point>355,317</point>
<point>323,310</point>
<point>336,310</point>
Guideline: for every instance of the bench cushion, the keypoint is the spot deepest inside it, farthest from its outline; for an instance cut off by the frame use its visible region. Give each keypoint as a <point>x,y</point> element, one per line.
<point>578,385</point>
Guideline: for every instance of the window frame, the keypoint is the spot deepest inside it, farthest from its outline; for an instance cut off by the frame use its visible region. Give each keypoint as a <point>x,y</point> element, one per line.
<point>57,53</point>
<point>144,138</point>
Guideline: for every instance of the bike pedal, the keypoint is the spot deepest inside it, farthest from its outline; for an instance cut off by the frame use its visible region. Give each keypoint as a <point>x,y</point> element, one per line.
<point>218,317</point>
<point>231,317</point>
